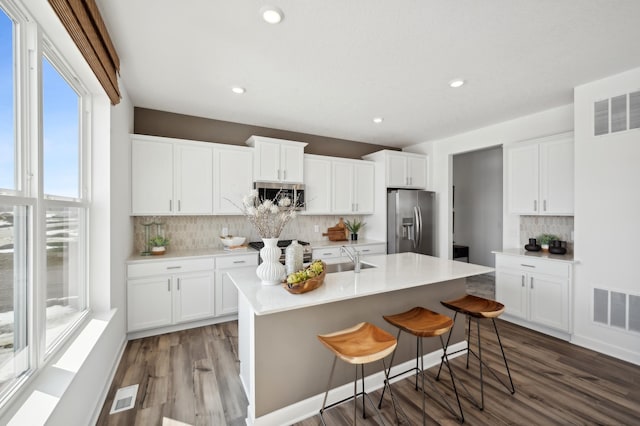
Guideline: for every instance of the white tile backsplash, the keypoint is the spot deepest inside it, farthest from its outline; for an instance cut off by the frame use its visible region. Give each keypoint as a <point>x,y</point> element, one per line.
<point>533,226</point>
<point>194,232</point>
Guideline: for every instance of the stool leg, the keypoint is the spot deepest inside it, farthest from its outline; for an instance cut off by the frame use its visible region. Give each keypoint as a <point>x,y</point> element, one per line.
<point>424,413</point>
<point>481,363</point>
<point>469,337</point>
<point>364,413</point>
<point>453,382</point>
<point>387,373</point>
<point>324,402</point>
<point>455,315</point>
<point>504,357</point>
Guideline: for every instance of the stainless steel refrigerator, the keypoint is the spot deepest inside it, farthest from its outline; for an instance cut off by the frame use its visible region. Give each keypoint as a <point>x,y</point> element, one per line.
<point>410,221</point>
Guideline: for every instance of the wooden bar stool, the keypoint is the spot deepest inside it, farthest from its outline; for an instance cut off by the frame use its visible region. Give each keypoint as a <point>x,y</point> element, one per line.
<point>422,323</point>
<point>478,308</point>
<point>358,345</point>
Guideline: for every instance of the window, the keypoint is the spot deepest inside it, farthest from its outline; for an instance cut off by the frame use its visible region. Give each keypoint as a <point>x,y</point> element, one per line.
<point>44,207</point>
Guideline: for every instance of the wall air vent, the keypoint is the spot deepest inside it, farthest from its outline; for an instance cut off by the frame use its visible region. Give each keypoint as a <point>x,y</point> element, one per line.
<point>616,309</point>
<point>616,114</point>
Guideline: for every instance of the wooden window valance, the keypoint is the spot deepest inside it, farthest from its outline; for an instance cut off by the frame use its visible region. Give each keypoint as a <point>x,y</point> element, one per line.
<point>84,23</point>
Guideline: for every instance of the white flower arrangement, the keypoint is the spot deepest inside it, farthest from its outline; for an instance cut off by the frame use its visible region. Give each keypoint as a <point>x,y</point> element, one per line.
<point>267,217</point>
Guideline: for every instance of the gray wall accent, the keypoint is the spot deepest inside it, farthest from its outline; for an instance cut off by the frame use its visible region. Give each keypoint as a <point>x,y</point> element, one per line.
<point>293,365</point>
<point>477,177</point>
<point>161,123</point>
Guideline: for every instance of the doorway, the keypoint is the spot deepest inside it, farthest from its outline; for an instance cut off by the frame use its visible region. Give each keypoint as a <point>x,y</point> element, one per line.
<point>477,205</point>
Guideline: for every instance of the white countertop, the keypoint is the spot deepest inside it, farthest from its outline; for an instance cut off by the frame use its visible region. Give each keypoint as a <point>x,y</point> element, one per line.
<point>193,253</point>
<point>392,272</point>
<point>327,243</point>
<point>537,254</point>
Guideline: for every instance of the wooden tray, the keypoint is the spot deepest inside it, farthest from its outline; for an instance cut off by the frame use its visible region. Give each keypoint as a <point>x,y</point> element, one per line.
<point>308,285</point>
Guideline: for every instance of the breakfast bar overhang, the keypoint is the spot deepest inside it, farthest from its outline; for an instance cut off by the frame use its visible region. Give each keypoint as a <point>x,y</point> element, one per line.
<point>283,367</point>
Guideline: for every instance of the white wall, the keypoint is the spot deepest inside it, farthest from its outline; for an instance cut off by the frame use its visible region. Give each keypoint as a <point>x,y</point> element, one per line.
<point>477,177</point>
<point>607,212</point>
<point>549,122</point>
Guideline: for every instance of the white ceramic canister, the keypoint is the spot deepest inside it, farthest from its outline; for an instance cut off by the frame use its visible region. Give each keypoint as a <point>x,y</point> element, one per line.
<point>293,257</point>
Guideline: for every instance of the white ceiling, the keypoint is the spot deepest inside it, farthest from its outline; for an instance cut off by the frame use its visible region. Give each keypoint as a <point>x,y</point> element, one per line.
<point>332,65</point>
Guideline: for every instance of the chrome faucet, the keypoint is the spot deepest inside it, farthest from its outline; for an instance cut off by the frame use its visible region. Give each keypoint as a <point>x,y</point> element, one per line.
<point>354,256</point>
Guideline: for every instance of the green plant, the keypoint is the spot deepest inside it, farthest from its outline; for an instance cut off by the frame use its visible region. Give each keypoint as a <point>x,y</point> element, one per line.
<point>547,238</point>
<point>158,241</point>
<point>354,226</point>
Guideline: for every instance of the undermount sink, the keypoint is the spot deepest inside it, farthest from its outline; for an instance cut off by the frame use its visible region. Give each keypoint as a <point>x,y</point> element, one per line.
<point>346,266</point>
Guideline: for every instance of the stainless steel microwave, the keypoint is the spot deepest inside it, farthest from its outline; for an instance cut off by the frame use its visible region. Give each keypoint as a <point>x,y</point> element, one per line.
<point>275,191</point>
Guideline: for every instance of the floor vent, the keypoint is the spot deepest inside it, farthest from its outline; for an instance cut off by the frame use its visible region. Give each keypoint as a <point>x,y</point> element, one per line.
<point>616,114</point>
<point>616,309</point>
<point>125,399</point>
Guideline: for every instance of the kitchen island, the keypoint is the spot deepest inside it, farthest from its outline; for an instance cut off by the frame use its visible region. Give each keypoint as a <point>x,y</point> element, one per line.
<point>284,368</point>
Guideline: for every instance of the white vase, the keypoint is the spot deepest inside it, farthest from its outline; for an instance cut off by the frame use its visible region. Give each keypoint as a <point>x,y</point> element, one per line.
<point>270,271</point>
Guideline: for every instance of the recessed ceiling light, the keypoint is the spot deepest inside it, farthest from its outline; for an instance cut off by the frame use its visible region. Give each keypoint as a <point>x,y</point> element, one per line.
<point>378,120</point>
<point>458,82</point>
<point>271,14</point>
<point>238,90</point>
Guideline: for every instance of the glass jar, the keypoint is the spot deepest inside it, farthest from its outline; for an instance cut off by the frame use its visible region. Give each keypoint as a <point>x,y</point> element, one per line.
<point>293,257</point>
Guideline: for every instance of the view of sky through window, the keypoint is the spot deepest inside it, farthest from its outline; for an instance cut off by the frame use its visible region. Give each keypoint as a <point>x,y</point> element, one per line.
<point>7,148</point>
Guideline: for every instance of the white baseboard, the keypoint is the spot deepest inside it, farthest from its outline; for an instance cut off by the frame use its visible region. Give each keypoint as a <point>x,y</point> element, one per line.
<point>311,406</point>
<point>607,349</point>
<point>105,390</point>
<point>179,327</point>
<point>563,335</point>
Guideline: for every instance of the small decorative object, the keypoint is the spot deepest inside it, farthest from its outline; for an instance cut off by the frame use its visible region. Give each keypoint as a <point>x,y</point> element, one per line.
<point>269,218</point>
<point>306,279</point>
<point>338,232</point>
<point>354,227</point>
<point>293,257</point>
<point>532,246</point>
<point>158,245</point>
<point>557,247</point>
<point>147,234</point>
<point>545,239</point>
<point>231,241</point>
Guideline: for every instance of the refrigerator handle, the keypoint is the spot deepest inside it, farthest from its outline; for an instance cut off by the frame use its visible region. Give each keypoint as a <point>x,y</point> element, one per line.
<point>417,228</point>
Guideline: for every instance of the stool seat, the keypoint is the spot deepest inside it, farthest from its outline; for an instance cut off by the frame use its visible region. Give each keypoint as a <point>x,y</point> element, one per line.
<point>421,322</point>
<point>361,344</point>
<point>474,306</point>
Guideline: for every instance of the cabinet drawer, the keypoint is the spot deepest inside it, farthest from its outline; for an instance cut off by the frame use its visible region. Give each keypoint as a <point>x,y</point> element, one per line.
<point>326,253</point>
<point>372,249</point>
<point>177,265</point>
<point>530,264</point>
<point>225,262</point>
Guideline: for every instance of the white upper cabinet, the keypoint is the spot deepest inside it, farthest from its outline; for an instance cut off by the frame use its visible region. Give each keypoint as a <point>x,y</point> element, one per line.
<point>352,187</point>
<point>170,177</point>
<point>233,178</point>
<point>403,169</point>
<point>277,160</point>
<point>540,177</point>
<point>317,184</point>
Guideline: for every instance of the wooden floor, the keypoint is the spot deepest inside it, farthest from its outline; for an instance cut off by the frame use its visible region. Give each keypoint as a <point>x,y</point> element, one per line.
<point>192,377</point>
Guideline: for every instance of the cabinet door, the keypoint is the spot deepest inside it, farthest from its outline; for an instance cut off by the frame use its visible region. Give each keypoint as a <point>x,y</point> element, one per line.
<point>151,178</point>
<point>522,179</point>
<point>233,178</point>
<point>396,171</point>
<point>267,161</point>
<point>417,172</point>
<point>226,294</point>
<point>363,188</point>
<point>549,301</point>
<point>194,296</point>
<point>317,177</point>
<point>511,291</point>
<point>148,303</point>
<point>194,179</point>
<point>342,187</point>
<point>292,163</point>
<point>556,177</point>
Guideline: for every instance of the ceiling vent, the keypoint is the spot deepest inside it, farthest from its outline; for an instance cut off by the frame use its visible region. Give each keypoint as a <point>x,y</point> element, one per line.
<point>617,114</point>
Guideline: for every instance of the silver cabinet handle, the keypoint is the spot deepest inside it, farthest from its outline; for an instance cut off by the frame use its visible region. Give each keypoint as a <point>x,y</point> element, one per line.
<point>365,250</point>
<point>284,174</point>
<point>174,267</point>
<point>278,174</point>
<point>327,254</point>
<point>535,205</point>
<point>531,283</point>
<point>170,205</point>
<point>527,266</point>
<point>169,284</point>
<point>178,284</point>
<point>522,276</point>
<point>179,207</point>
<point>544,205</point>
<point>239,261</point>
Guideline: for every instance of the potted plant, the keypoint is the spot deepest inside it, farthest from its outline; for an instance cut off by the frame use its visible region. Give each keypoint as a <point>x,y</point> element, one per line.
<point>354,227</point>
<point>545,239</point>
<point>158,244</point>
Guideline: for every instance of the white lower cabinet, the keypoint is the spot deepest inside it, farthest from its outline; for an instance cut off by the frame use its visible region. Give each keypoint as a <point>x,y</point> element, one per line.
<point>166,293</point>
<point>535,290</point>
<point>226,292</point>
<point>332,254</point>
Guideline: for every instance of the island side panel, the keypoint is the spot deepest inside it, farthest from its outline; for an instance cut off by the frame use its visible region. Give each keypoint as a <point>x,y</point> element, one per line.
<point>292,365</point>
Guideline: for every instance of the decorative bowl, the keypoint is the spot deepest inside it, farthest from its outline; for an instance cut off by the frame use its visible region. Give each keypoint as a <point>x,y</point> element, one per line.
<point>307,285</point>
<point>231,241</point>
